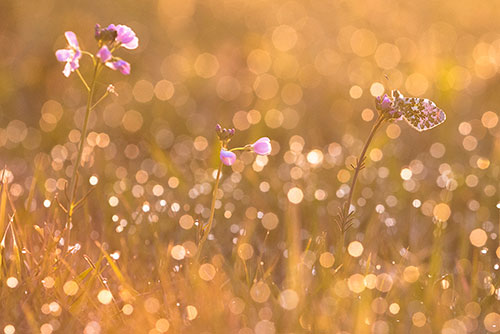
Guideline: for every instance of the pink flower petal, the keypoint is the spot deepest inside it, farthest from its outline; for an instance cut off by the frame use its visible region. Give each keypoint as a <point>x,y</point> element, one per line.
<point>67,69</point>
<point>125,35</point>
<point>228,158</point>
<point>133,44</point>
<point>262,146</point>
<point>104,54</point>
<point>120,65</point>
<point>72,40</point>
<point>64,54</point>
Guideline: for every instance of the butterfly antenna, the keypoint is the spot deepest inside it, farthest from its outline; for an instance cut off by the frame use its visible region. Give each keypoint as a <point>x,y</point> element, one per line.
<point>388,82</point>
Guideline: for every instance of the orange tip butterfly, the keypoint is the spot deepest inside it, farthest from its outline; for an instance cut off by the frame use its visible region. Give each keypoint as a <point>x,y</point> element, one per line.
<point>420,114</point>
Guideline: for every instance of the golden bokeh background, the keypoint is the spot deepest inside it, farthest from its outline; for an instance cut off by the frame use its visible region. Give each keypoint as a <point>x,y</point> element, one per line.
<point>423,252</point>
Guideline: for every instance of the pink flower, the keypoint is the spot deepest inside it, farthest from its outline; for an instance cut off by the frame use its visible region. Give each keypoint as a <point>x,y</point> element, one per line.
<point>262,146</point>
<point>227,157</point>
<point>385,105</point>
<point>125,36</point>
<point>117,64</point>
<point>71,55</point>
<point>104,54</point>
<point>120,65</point>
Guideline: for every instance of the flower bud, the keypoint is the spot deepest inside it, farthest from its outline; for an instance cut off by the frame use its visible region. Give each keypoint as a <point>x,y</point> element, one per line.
<point>105,35</point>
<point>223,133</point>
<point>262,146</point>
<point>111,90</point>
<point>227,157</point>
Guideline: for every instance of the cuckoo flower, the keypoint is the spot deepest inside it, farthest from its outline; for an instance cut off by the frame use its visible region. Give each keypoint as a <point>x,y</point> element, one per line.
<point>262,146</point>
<point>71,55</point>
<point>115,64</point>
<point>385,105</point>
<point>125,36</point>
<point>104,54</point>
<point>120,65</point>
<point>227,157</point>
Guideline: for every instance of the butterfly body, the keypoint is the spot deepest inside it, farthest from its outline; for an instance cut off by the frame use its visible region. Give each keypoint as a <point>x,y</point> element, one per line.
<point>420,113</point>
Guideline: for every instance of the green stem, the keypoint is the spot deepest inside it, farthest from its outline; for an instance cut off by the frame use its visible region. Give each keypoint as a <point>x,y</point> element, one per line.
<point>212,212</point>
<point>73,183</point>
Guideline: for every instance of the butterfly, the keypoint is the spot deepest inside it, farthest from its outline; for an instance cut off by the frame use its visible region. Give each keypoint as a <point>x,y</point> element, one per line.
<point>421,114</point>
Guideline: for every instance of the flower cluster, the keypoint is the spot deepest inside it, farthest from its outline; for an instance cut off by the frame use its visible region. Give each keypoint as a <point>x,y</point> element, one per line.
<point>385,106</point>
<point>109,39</point>
<point>262,146</point>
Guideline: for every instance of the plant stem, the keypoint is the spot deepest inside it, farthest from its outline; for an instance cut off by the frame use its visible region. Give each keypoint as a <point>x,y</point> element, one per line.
<point>361,158</point>
<point>212,212</point>
<point>359,166</point>
<point>83,80</point>
<point>73,183</point>
<point>99,101</point>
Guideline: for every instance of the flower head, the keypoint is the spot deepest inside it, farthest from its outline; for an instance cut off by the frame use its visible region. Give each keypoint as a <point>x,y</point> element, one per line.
<point>227,157</point>
<point>385,105</point>
<point>262,146</point>
<point>71,55</point>
<point>125,36</point>
<point>223,133</point>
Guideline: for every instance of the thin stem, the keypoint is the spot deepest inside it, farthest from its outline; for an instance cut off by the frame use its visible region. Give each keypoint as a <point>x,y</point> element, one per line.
<point>346,214</point>
<point>83,80</point>
<point>212,212</point>
<point>100,100</point>
<point>361,158</point>
<point>244,148</point>
<point>74,177</point>
<point>90,55</point>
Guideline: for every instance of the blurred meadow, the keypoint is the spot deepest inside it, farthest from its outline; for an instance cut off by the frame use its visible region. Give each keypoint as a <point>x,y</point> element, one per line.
<point>422,255</point>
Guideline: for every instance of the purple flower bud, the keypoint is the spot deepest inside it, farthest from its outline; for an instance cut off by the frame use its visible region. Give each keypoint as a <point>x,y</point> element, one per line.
<point>231,132</point>
<point>262,146</point>
<point>227,157</point>
<point>218,128</point>
<point>97,31</point>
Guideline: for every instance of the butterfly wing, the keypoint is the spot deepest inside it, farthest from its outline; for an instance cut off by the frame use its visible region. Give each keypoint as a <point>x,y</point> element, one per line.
<point>420,114</point>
